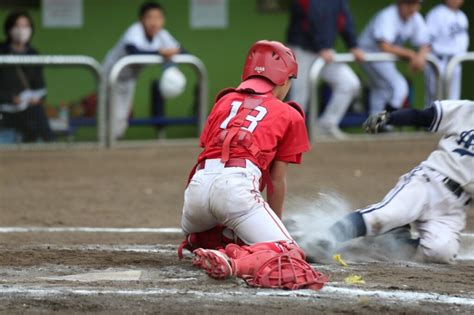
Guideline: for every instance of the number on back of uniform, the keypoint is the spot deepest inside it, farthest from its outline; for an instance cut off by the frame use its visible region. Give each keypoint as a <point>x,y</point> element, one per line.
<point>254,120</point>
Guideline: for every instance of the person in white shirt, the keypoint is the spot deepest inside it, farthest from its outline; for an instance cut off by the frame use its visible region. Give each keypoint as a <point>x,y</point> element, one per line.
<point>147,36</point>
<point>388,31</point>
<point>448,27</point>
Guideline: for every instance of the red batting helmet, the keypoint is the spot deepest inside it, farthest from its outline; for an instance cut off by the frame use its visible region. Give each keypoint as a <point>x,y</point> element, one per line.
<point>271,60</point>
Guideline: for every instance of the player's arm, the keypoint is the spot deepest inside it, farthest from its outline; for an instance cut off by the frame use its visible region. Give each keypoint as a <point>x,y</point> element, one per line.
<point>134,50</point>
<point>401,52</point>
<point>278,177</point>
<point>402,117</point>
<point>421,39</point>
<point>348,33</point>
<point>418,62</point>
<point>172,46</point>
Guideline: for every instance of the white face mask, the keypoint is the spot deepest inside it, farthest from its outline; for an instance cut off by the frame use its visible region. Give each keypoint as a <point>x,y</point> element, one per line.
<point>21,34</point>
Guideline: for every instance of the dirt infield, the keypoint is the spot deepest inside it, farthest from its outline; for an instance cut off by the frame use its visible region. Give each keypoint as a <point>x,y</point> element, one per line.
<point>137,270</point>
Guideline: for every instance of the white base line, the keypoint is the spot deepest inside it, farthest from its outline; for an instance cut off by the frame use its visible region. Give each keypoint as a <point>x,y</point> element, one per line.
<point>146,249</point>
<point>328,291</point>
<point>37,229</point>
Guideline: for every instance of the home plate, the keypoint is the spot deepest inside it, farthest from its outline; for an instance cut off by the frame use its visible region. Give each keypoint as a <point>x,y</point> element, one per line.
<point>129,275</point>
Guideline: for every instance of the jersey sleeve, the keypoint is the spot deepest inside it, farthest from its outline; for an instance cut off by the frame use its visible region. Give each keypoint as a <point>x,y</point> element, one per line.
<point>168,40</point>
<point>210,124</point>
<point>207,128</point>
<point>452,116</point>
<point>348,32</point>
<point>295,140</point>
<point>384,28</point>
<point>135,36</point>
<point>421,35</point>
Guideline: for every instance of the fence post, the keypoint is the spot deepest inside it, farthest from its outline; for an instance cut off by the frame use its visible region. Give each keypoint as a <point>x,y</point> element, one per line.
<point>318,65</point>
<point>126,61</point>
<point>451,68</point>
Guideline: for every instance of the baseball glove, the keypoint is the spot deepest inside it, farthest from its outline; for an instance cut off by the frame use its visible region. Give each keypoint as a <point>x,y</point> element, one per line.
<point>376,123</point>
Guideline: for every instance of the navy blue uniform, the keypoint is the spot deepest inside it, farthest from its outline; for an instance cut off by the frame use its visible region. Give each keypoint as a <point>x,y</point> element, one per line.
<point>314,24</point>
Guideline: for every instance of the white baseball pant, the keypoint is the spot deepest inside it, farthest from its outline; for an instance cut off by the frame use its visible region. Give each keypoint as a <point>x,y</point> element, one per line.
<point>231,197</point>
<point>122,100</point>
<point>388,86</point>
<point>422,198</point>
<point>430,82</point>
<point>343,81</point>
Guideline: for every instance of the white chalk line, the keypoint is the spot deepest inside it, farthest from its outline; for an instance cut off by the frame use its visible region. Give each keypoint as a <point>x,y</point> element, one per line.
<point>146,249</point>
<point>38,229</point>
<point>328,291</point>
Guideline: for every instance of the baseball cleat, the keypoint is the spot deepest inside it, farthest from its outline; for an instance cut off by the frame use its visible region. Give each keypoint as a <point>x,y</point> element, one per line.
<point>214,263</point>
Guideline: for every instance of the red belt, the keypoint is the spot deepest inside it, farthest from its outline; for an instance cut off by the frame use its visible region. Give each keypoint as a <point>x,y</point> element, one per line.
<point>233,162</point>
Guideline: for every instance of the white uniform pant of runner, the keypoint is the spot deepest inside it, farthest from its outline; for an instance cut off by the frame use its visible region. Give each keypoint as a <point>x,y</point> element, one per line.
<point>344,83</point>
<point>387,85</point>
<point>122,100</point>
<point>430,82</point>
<point>230,196</point>
<point>422,198</point>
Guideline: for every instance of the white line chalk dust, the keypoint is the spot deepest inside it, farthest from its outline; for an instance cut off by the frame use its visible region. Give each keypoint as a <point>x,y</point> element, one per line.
<point>328,291</point>
<point>40,229</point>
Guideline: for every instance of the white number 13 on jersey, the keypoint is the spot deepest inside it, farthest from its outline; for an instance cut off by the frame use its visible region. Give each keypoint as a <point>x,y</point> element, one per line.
<point>262,111</point>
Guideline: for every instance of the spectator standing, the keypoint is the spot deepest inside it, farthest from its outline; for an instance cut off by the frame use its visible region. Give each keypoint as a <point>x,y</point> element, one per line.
<point>22,88</point>
<point>314,26</point>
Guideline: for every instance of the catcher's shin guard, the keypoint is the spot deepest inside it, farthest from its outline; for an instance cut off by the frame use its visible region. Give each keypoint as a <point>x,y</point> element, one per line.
<point>268,265</point>
<point>287,271</point>
<point>274,265</point>
<point>214,238</point>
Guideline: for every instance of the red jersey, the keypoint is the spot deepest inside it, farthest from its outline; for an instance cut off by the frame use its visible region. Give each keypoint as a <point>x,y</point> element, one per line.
<point>277,129</point>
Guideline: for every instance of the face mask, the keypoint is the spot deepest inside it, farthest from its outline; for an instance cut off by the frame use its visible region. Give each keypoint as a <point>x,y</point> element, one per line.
<point>21,34</point>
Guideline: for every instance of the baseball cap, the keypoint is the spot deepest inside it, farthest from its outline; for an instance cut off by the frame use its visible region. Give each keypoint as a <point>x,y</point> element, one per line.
<point>258,85</point>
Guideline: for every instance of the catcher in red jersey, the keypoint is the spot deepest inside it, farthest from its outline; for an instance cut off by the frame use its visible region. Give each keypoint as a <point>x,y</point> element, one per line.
<point>249,139</point>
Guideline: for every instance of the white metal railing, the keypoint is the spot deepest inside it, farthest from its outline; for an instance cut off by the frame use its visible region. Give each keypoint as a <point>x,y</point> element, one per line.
<point>71,61</point>
<point>190,60</point>
<point>451,68</point>
<point>318,65</point>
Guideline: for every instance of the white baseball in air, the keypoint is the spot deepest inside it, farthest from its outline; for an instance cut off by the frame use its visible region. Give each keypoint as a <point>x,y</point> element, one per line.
<point>172,83</point>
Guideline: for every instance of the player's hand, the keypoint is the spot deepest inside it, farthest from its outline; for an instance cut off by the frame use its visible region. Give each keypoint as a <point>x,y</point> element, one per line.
<point>327,55</point>
<point>16,100</point>
<point>359,54</point>
<point>34,101</point>
<point>376,123</point>
<point>417,63</point>
<point>169,52</point>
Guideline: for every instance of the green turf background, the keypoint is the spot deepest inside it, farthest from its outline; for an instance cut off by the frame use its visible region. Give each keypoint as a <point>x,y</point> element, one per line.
<point>221,50</point>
